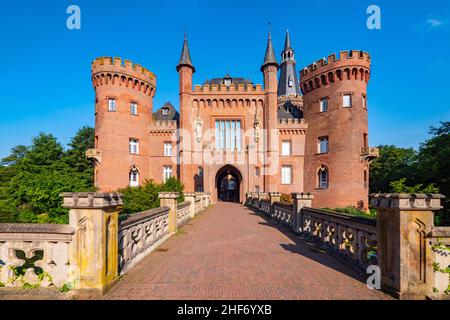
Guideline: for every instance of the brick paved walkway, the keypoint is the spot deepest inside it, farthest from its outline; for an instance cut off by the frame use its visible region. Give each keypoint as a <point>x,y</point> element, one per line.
<point>229,252</point>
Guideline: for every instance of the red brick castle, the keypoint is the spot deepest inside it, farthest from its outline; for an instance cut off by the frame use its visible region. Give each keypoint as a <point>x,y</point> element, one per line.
<point>232,136</point>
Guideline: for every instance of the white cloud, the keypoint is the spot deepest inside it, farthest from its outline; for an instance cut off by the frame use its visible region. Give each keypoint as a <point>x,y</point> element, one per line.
<point>435,23</point>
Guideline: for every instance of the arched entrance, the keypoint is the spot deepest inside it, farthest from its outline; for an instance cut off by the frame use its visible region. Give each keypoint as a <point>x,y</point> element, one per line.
<point>228,184</point>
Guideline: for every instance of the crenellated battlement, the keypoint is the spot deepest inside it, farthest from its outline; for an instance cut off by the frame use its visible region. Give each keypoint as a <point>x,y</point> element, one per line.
<point>239,88</point>
<point>349,65</point>
<point>163,127</point>
<point>117,71</point>
<point>126,64</point>
<point>351,56</point>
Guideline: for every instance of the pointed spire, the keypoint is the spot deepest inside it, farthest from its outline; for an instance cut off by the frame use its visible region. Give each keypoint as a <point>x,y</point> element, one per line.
<point>287,42</point>
<point>269,58</point>
<point>185,58</point>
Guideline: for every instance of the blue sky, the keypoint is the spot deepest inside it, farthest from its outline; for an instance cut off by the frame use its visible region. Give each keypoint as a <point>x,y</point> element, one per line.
<point>45,83</point>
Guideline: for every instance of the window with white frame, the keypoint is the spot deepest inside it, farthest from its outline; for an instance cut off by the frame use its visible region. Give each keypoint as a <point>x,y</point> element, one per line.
<point>167,173</point>
<point>133,109</point>
<point>228,135</point>
<point>286,175</point>
<point>134,177</point>
<point>347,100</point>
<point>285,148</point>
<point>165,111</point>
<point>324,105</point>
<point>167,149</point>
<point>111,104</point>
<point>322,145</point>
<point>322,178</point>
<point>134,146</point>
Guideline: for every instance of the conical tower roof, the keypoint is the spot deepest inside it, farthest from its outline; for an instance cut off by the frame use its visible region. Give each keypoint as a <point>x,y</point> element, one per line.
<point>287,41</point>
<point>185,58</point>
<point>269,58</point>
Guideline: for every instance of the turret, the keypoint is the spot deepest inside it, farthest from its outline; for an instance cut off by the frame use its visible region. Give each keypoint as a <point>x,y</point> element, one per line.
<point>124,94</point>
<point>186,70</point>
<point>269,69</point>
<point>288,84</point>
<point>335,107</point>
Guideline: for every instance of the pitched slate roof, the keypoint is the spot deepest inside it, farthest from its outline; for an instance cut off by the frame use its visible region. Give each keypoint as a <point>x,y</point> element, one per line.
<point>172,114</point>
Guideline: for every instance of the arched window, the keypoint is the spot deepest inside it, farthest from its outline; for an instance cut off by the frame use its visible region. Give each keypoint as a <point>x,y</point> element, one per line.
<point>134,177</point>
<point>322,177</point>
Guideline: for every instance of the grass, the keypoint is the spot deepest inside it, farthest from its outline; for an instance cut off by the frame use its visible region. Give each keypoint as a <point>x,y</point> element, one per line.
<point>372,214</point>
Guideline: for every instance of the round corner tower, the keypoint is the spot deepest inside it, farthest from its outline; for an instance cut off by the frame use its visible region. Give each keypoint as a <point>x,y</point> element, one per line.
<point>124,94</point>
<point>335,108</point>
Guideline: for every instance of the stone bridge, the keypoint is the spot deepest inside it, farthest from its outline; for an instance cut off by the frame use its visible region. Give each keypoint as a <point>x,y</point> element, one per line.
<point>264,249</point>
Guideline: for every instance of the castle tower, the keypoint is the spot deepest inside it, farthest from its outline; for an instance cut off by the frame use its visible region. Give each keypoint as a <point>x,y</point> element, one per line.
<point>185,70</point>
<point>288,84</point>
<point>124,94</point>
<point>270,71</point>
<point>335,108</point>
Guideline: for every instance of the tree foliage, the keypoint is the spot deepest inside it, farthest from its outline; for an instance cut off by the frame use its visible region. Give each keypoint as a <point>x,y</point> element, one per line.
<point>426,170</point>
<point>145,197</point>
<point>32,177</point>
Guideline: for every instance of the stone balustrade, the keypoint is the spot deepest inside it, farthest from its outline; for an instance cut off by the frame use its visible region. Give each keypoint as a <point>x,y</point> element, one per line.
<point>34,255</point>
<point>198,203</point>
<point>283,212</point>
<point>353,238</point>
<point>183,213</point>
<point>413,256</point>
<point>95,247</point>
<point>140,234</point>
<point>439,240</point>
<point>406,256</point>
<point>264,206</point>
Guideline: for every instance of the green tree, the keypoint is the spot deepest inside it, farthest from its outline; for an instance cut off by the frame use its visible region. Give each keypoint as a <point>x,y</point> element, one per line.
<point>39,173</point>
<point>399,186</point>
<point>433,165</point>
<point>393,164</point>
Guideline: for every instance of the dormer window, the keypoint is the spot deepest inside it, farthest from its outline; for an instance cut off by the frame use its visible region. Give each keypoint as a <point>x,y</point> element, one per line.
<point>165,111</point>
<point>227,82</point>
<point>290,82</point>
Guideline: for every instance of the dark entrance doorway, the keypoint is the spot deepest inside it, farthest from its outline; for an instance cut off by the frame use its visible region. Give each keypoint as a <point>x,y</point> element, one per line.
<point>228,184</point>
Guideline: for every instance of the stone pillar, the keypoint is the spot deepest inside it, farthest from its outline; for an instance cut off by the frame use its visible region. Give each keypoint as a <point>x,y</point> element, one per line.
<point>261,196</point>
<point>300,200</point>
<point>191,198</point>
<point>274,197</point>
<point>169,199</point>
<point>403,253</point>
<point>94,249</point>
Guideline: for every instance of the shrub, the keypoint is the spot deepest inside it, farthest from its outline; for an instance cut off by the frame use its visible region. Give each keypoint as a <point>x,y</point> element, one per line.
<point>145,197</point>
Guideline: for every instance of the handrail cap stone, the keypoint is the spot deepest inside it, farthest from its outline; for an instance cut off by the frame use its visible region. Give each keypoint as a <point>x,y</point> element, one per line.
<point>91,200</point>
<point>168,195</point>
<point>407,201</point>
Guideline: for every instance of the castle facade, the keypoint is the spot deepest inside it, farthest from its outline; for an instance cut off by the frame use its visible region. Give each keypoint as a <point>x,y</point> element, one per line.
<point>232,136</point>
